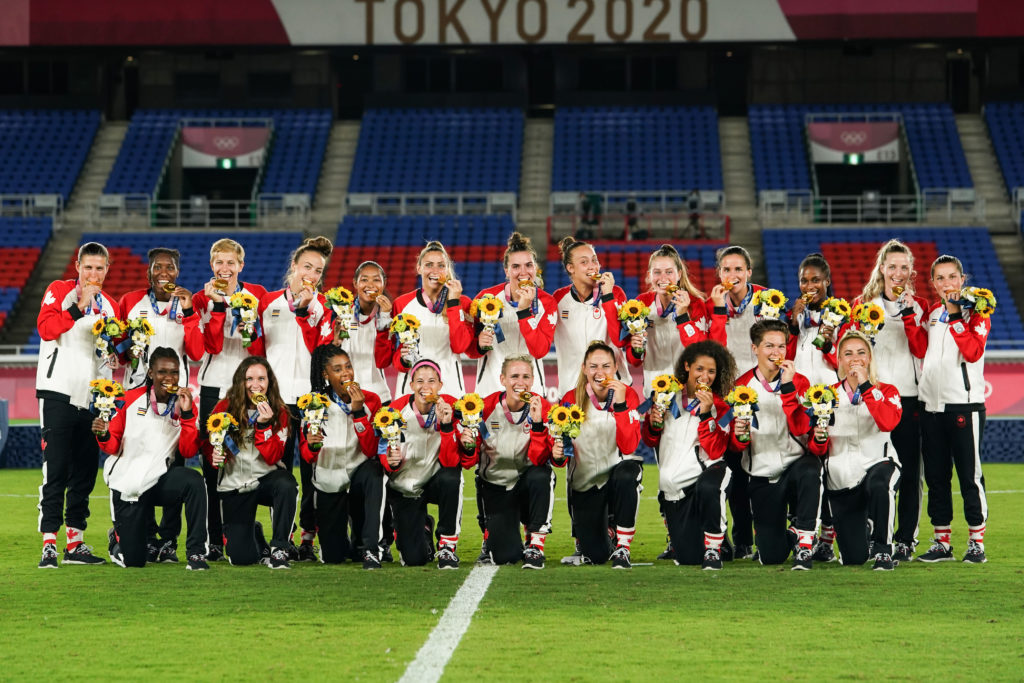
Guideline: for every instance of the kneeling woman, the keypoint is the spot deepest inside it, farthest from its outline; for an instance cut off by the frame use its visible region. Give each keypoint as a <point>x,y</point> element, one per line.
<point>862,470</point>
<point>692,474</point>
<point>255,474</point>
<point>425,468</point>
<point>348,479</point>
<point>604,473</point>
<point>515,481</point>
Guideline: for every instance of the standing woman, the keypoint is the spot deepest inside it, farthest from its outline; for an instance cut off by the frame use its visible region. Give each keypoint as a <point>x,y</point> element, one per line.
<point>295,322</point>
<point>514,482</point>
<point>587,311</point>
<point>527,321</point>
<point>222,341</point>
<point>692,476</point>
<point>952,388</point>
<point>348,478</point>
<point>678,318</point>
<point>604,473</point>
<point>816,364</point>
<point>368,344</point>
<point>862,470</point>
<point>446,329</point>
<point>255,475</point>
<point>427,468</point>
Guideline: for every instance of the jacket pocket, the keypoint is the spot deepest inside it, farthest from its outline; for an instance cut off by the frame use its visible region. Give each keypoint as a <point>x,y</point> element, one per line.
<point>53,362</point>
<point>967,381</point>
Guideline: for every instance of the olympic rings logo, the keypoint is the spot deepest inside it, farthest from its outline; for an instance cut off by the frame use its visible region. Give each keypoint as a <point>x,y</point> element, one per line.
<point>224,143</point>
<point>853,137</point>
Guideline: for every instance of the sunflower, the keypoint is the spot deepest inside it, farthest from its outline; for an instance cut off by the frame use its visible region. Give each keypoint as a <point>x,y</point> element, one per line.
<point>576,414</point>
<point>874,315</point>
<point>470,404</point>
<point>816,393</point>
<point>147,328</point>
<point>384,417</point>
<point>983,293</point>
<point>339,296</point>
<point>97,327</point>
<point>96,383</point>
<point>474,308</point>
<point>775,299</point>
<point>632,308</point>
<point>490,306</point>
<point>841,306</point>
<point>304,401</point>
<point>662,384</point>
<point>215,422</point>
<point>741,394</point>
<point>559,416</point>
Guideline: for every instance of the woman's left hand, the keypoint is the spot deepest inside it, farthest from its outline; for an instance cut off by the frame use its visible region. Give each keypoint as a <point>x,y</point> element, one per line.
<point>264,413</point>
<point>184,399</point>
<point>468,439</point>
<point>444,412</point>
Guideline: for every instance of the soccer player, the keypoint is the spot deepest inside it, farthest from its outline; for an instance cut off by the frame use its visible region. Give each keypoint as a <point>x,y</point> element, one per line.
<point>348,477</point>
<point>862,469</point>
<point>528,318</point>
<point>815,363</point>
<point>223,343</point>
<point>68,361</point>
<point>605,472</point>
<point>773,454</point>
<point>425,468</point>
<point>252,474</point>
<point>154,427</point>
<point>952,387</point>
<point>367,343</point>
<point>692,476</point>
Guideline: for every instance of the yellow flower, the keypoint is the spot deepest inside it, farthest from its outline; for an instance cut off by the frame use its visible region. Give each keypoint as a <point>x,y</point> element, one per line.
<point>742,394</point>
<point>575,414</point>
<point>339,296</point>
<point>470,404</point>
<point>662,384</point>
<point>473,308</point>
<point>816,393</point>
<point>97,327</point>
<point>874,315</point>
<point>215,422</point>
<point>983,293</point>
<point>559,415</point>
<point>304,401</point>
<point>490,306</point>
<point>384,417</point>
<point>775,299</point>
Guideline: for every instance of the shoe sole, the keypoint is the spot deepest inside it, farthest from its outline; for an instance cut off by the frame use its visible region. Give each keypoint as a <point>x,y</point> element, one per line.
<point>447,568</point>
<point>119,563</point>
<point>882,569</point>
<point>197,569</point>
<point>85,564</point>
<point>532,566</point>
<point>616,566</point>
<point>48,566</point>
<point>941,559</point>
<point>800,569</point>
<point>281,567</point>
<point>966,561</point>
<point>711,569</point>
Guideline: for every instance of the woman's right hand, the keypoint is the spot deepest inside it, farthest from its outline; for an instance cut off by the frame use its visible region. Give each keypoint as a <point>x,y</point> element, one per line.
<point>99,426</point>
<point>820,434</point>
<point>718,295</point>
<point>741,427</point>
<point>558,450</point>
<point>657,415</point>
<point>211,292</point>
<point>394,457</point>
<point>217,458</point>
<point>315,439</point>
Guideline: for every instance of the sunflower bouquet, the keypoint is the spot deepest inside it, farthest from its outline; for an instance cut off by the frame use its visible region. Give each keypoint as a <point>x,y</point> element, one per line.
<point>564,422</point>
<point>243,309</point>
<point>820,401</point>
<point>389,424</point>
<point>471,409</point>
<point>870,318</point>
<point>314,410</point>
<point>487,309</point>
<point>633,316</point>
<point>140,332</point>
<point>107,330</point>
<point>341,302</point>
<point>105,395</point>
<point>835,312</point>
<point>980,300</point>
<point>743,404</point>
<point>217,427</point>
<point>665,389</point>
<point>769,304</point>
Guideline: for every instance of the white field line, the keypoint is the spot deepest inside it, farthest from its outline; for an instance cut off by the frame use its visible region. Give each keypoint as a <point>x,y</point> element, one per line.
<point>435,653</point>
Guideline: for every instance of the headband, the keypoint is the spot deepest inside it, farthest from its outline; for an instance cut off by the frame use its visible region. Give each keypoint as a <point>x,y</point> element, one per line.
<point>425,363</point>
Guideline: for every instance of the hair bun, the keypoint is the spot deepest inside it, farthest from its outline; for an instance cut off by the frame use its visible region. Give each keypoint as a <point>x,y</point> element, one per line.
<point>518,242</point>
<point>320,244</point>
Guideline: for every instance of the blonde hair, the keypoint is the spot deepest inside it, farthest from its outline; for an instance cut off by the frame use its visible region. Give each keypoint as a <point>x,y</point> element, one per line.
<point>876,282</point>
<point>434,245</point>
<point>509,360</point>
<point>670,252</point>
<point>227,245</point>
<point>856,335</point>
<point>581,383</point>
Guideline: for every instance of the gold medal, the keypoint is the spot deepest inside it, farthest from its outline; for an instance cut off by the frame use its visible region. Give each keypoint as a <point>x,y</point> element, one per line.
<point>169,287</point>
<point>258,399</point>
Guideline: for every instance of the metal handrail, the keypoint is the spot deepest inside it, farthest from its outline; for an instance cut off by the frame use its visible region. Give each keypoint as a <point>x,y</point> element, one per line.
<point>404,203</point>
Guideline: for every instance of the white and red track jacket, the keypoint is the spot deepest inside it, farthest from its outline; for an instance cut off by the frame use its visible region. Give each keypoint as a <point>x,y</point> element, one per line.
<point>259,452</point>
<point>606,438</point>
<point>782,424</point>
<point>525,335</point>
<point>142,440</point>
<point>426,449</point>
<point>731,328</point>
<point>369,349</point>
<point>443,336</point>
<point>686,445</point>
<point>509,442</point>
<point>817,365</point>
<point>667,335</point>
<point>224,350</point>
<point>953,373</point>
<point>67,356</point>
<point>349,441</point>
<point>859,439</point>
<point>183,334</point>
<point>288,339</point>
<point>581,322</point>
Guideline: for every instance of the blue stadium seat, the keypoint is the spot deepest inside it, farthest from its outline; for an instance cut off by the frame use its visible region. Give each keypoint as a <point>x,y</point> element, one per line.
<point>43,151</point>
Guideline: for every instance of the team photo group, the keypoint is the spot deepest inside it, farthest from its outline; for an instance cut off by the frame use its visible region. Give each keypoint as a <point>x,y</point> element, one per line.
<point>798,431</point>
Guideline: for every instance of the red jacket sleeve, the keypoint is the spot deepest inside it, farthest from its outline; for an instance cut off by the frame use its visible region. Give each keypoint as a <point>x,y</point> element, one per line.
<point>54,321</point>
<point>970,335</point>
<point>194,345</point>
<point>382,349</point>
<point>610,305</point>
<point>539,339</point>
<point>713,439</point>
<point>539,450</point>
<point>719,317</point>
<point>692,324</point>
<point>627,423</point>
<point>460,326</point>
<point>818,448</point>
<point>886,410</point>
<point>188,440</point>
<point>270,442</point>
<point>213,330</point>
<point>305,452</point>
<point>649,434</point>
<point>915,329</point>
<point>367,438</point>
<point>314,335</point>
<point>796,416</point>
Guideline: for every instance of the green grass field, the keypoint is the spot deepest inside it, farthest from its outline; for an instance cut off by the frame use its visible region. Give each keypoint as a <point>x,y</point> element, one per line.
<point>662,622</point>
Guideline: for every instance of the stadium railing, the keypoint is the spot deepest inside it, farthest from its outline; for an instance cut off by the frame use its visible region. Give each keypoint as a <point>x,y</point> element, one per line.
<point>407,203</point>
<point>667,227</point>
<point>658,201</point>
<point>949,206</point>
<point>266,210</point>
<point>51,205</point>
<point>1018,206</point>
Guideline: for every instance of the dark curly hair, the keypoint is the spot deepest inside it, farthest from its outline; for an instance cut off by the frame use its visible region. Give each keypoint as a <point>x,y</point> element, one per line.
<point>725,365</point>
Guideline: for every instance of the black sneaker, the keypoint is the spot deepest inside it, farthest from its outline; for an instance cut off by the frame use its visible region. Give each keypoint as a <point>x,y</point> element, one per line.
<point>261,543</point>
<point>975,553</point>
<point>168,552</point>
<point>307,552</point>
<point>803,558</point>
<point>884,563</point>
<point>485,555</point>
<point>447,559</point>
<point>370,560</point>
<point>937,553</point>
<point>278,559</point>
<point>744,552</point>
<point>385,553</point>
<point>216,554</point>
<point>903,552</point>
<point>620,558</point>
<point>49,558</point>
<point>823,552</point>
<point>82,554</point>
<point>576,559</point>
<point>712,560</point>
<point>196,563</point>
<point>114,548</point>
<point>533,558</point>
<point>669,553</point>
<point>152,553</point>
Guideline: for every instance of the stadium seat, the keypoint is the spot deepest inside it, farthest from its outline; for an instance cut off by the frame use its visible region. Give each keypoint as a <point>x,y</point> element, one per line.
<point>43,151</point>
<point>22,240</point>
